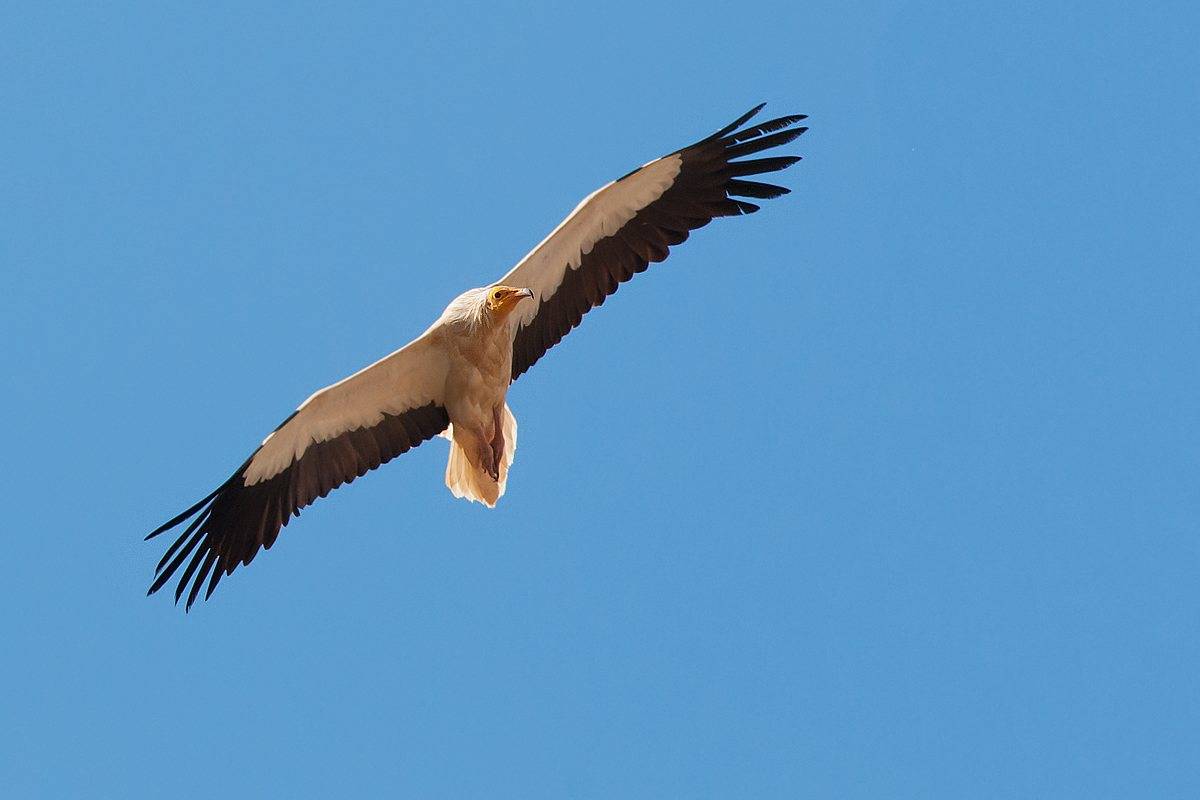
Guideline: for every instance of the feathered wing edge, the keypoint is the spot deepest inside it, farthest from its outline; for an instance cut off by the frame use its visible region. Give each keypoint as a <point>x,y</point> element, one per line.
<point>235,521</point>
<point>710,184</point>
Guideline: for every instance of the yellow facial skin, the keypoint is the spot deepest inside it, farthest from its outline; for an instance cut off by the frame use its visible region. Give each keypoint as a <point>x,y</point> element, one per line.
<point>501,300</point>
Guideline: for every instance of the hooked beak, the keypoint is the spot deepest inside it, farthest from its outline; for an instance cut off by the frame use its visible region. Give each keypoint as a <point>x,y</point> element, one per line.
<point>525,293</point>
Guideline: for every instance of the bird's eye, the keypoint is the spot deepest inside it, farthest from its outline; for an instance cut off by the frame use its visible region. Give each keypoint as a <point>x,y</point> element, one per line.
<point>496,294</point>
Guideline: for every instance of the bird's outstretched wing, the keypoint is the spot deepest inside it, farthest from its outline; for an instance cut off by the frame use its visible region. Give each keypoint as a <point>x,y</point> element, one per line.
<point>335,436</point>
<point>622,227</point>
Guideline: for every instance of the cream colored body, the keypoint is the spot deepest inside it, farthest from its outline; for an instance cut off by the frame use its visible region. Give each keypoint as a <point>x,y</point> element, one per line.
<point>483,431</point>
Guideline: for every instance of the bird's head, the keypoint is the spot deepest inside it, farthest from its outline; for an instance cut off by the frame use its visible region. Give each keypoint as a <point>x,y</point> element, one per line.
<point>501,300</point>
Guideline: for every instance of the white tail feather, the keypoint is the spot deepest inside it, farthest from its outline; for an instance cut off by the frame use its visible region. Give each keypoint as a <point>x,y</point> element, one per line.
<point>463,479</point>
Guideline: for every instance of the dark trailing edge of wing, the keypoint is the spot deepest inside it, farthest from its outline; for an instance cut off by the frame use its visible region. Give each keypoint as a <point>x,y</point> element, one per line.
<point>233,523</point>
<point>709,185</point>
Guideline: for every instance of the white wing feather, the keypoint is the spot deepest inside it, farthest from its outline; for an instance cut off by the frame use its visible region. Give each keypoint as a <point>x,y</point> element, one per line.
<point>411,377</point>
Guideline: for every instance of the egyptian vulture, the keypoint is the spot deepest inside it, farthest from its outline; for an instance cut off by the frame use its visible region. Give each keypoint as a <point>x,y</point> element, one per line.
<point>453,378</point>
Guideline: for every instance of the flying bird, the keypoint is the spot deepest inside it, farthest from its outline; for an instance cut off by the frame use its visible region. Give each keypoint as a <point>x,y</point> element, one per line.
<point>453,379</point>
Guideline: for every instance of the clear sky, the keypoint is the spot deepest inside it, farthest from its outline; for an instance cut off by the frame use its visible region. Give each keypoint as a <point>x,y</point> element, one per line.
<point>889,490</point>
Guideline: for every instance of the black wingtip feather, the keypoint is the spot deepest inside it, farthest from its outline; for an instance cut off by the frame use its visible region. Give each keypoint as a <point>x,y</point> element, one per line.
<point>737,123</point>
<point>216,578</point>
<point>762,143</point>
<point>187,574</point>
<point>165,575</point>
<point>200,578</point>
<point>171,523</point>
<point>762,191</point>
<point>763,128</point>
<point>757,166</point>
<point>196,523</point>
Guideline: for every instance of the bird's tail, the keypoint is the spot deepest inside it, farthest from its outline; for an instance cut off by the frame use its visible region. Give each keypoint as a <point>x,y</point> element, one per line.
<point>465,479</point>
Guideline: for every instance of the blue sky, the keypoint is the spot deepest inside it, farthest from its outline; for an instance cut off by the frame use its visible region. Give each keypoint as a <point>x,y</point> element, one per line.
<point>887,491</point>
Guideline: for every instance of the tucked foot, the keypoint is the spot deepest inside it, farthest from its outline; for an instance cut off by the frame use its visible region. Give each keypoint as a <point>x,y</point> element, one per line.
<point>497,443</point>
<point>488,462</point>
